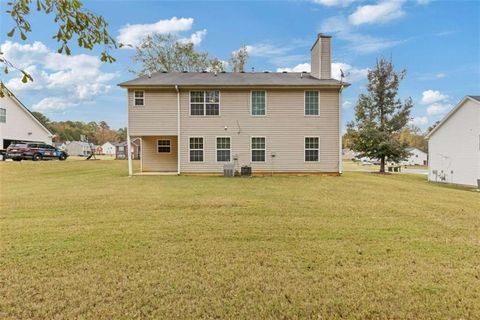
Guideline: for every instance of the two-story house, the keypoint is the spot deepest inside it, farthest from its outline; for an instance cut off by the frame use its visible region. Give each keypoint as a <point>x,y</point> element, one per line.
<point>275,122</point>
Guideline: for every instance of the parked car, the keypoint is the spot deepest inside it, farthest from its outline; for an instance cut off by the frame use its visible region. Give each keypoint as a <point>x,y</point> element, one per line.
<point>35,152</point>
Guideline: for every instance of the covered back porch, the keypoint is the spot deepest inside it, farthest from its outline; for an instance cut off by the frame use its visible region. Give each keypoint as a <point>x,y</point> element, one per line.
<point>159,154</point>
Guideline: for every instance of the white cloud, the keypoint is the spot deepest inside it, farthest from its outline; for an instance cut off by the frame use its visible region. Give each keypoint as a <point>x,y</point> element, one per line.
<point>67,80</point>
<point>53,104</point>
<point>381,12</point>
<point>423,1</point>
<point>332,3</point>
<point>438,108</point>
<point>346,104</point>
<point>336,24</point>
<point>440,75</point>
<point>352,74</point>
<point>134,33</point>
<point>196,38</point>
<point>266,50</point>
<point>432,96</point>
<point>298,68</point>
<point>279,54</point>
<point>359,42</point>
<point>418,121</point>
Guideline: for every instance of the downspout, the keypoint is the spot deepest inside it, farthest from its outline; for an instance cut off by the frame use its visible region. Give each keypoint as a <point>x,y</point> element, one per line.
<point>178,128</point>
<point>129,147</point>
<point>340,164</point>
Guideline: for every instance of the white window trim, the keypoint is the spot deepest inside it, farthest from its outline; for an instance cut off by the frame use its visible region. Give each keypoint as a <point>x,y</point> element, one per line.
<point>251,150</point>
<point>251,104</point>
<point>203,139</point>
<point>170,146</point>
<point>216,158</point>
<point>143,99</point>
<point>305,149</point>
<point>305,104</point>
<point>204,104</point>
<point>4,115</point>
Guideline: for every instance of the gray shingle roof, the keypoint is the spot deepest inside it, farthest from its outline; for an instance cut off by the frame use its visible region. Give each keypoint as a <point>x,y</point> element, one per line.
<point>231,79</point>
<point>475,97</point>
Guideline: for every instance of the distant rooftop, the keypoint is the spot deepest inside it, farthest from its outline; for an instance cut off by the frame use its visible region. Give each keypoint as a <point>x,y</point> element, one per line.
<point>475,97</point>
<point>231,79</point>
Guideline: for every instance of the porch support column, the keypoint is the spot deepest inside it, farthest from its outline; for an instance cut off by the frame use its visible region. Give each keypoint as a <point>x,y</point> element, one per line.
<point>340,147</point>
<point>129,147</point>
<point>178,129</point>
<point>129,154</point>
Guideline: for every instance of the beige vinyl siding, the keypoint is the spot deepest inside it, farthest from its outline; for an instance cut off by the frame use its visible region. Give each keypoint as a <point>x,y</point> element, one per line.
<point>325,59</point>
<point>154,161</point>
<point>285,128</point>
<point>157,116</point>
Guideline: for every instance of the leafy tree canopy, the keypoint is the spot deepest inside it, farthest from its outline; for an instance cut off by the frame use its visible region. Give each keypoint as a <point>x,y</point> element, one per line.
<point>165,52</point>
<point>380,116</point>
<point>238,59</point>
<point>74,21</point>
<point>97,133</point>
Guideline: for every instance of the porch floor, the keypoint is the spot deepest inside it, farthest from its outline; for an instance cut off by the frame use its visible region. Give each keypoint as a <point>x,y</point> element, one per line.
<point>156,173</point>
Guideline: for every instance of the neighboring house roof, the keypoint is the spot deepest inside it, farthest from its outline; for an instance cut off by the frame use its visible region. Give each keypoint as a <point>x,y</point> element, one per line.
<point>224,79</point>
<point>411,149</point>
<point>475,99</point>
<point>124,143</point>
<point>81,143</point>
<point>14,98</point>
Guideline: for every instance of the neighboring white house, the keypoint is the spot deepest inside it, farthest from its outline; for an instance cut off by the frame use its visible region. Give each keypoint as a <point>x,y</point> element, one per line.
<point>79,148</point>
<point>17,123</point>
<point>416,158</point>
<point>454,145</point>
<point>108,148</point>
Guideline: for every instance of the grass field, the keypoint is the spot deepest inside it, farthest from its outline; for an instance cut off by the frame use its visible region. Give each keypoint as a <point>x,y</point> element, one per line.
<point>80,240</point>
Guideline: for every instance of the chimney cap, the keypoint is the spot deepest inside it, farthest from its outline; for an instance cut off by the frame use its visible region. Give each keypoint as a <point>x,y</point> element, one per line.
<point>319,36</point>
<point>323,35</point>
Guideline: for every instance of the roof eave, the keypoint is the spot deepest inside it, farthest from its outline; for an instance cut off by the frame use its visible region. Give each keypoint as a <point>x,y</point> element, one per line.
<point>264,85</point>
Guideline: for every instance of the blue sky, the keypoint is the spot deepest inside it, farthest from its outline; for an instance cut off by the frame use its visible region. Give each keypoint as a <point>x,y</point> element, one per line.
<point>437,42</point>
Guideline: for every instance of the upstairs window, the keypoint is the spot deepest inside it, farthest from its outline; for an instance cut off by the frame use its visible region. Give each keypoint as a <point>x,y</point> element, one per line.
<point>311,103</point>
<point>223,149</point>
<point>258,149</point>
<point>139,98</point>
<point>3,115</point>
<point>311,149</point>
<point>163,146</point>
<point>258,103</point>
<point>196,149</point>
<point>205,103</point>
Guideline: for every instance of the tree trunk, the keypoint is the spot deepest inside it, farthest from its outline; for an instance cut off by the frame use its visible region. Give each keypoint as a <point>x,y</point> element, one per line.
<point>382,164</point>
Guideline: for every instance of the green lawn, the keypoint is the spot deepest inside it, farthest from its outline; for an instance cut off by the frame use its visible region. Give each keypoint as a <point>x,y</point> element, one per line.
<point>80,240</point>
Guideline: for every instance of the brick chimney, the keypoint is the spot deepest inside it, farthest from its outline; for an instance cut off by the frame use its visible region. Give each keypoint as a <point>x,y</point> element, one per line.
<point>321,57</point>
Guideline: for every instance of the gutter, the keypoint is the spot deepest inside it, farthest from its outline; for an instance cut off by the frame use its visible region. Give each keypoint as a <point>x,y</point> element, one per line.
<point>340,163</point>
<point>178,128</point>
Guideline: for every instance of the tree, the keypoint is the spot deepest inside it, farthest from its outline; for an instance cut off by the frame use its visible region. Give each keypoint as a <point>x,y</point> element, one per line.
<point>414,138</point>
<point>433,126</point>
<point>165,52</point>
<point>380,116</point>
<point>97,133</point>
<point>122,134</point>
<point>73,20</point>
<point>238,59</point>
<point>43,119</point>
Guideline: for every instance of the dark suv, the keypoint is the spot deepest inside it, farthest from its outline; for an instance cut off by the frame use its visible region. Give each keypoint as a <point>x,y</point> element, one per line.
<point>34,151</point>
